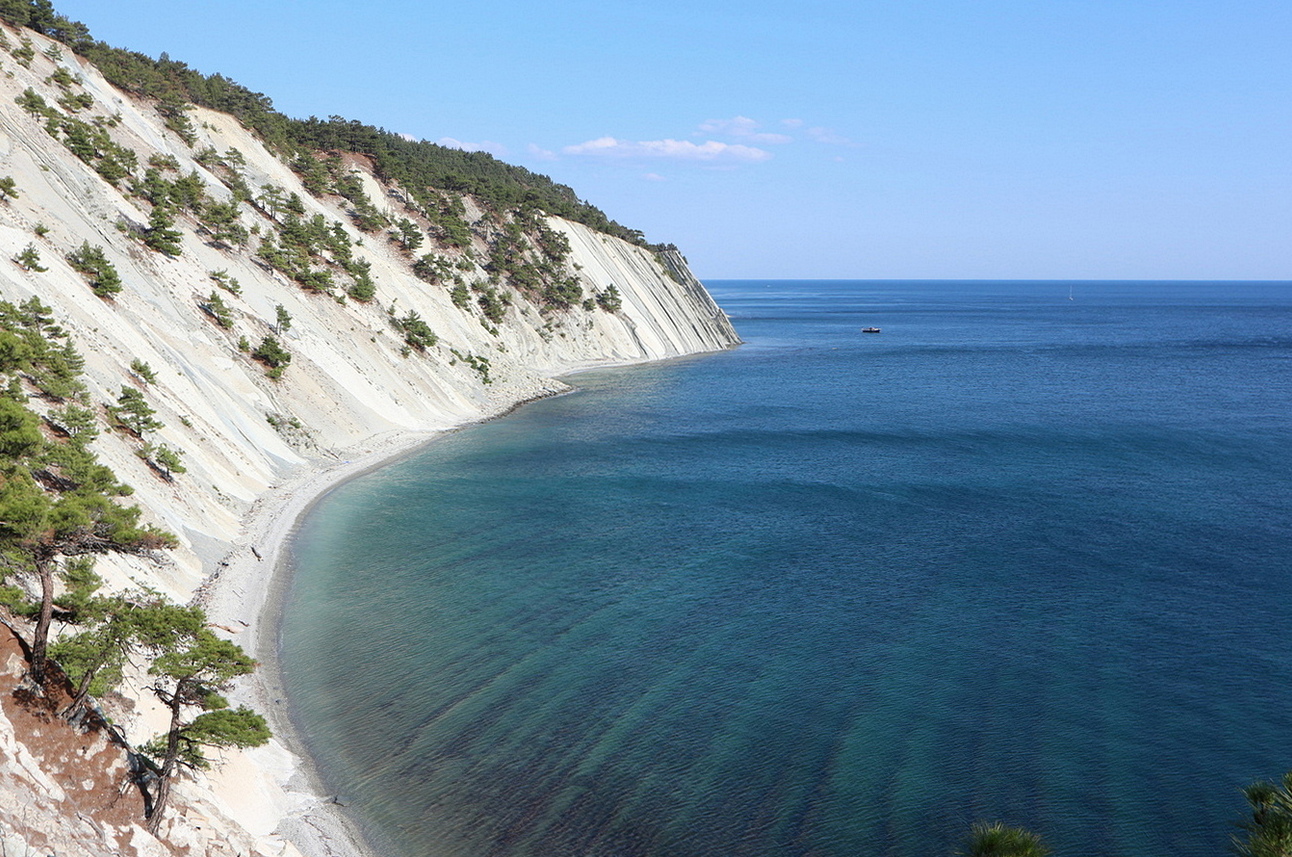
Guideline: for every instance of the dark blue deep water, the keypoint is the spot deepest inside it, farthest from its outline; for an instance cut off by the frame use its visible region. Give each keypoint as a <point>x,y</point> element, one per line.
<point>1019,557</point>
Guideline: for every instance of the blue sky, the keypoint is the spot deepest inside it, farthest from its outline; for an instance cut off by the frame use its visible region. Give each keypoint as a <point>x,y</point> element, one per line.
<point>972,139</point>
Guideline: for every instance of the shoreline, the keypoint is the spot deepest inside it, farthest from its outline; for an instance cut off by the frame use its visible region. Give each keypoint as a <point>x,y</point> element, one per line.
<point>245,597</point>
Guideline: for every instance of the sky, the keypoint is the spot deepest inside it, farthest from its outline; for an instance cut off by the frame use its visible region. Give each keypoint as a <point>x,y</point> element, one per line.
<point>975,139</point>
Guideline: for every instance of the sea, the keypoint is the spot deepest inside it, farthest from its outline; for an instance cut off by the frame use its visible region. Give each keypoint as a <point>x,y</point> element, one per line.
<point>1024,555</point>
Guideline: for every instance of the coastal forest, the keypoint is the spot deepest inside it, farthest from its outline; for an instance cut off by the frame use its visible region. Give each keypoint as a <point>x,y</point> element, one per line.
<point>422,167</point>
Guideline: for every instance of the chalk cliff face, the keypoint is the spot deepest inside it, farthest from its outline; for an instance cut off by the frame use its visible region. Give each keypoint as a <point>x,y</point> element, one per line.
<point>352,377</point>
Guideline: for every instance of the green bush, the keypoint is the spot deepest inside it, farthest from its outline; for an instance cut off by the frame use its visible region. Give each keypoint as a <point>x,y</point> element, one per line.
<point>417,333</point>
<point>91,262</point>
<point>271,353</point>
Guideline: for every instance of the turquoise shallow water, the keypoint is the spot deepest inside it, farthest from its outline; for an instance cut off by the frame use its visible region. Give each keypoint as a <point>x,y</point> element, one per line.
<point>1018,557</point>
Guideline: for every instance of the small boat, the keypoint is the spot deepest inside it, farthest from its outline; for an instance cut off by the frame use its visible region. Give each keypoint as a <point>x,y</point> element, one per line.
<point>870,330</point>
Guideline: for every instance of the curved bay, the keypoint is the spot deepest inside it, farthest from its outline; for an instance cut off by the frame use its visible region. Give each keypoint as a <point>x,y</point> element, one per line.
<point>1015,558</point>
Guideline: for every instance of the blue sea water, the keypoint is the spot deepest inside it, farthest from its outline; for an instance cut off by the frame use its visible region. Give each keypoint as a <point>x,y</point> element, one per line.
<point>1023,556</point>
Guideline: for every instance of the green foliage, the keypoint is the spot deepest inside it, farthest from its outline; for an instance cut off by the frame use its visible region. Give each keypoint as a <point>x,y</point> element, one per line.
<point>223,280</point>
<point>283,322</point>
<point>1268,833</point>
<point>408,234</point>
<point>133,413</point>
<point>313,280</point>
<point>224,727</point>
<point>218,311</point>
<point>8,188</point>
<point>189,192</point>
<point>94,265</point>
<point>460,296</point>
<point>161,234</point>
<point>74,101</point>
<point>31,344</point>
<point>163,459</point>
<point>417,333</point>
<point>998,840</point>
<point>562,293</point>
<point>62,77</point>
<point>313,174</point>
<point>56,499</point>
<point>479,364</point>
<point>610,300</point>
<point>115,628</point>
<point>95,657</point>
<point>433,268</point>
<point>31,101</point>
<point>24,53</point>
<point>429,171</point>
<point>493,305</point>
<point>174,112</point>
<point>193,668</point>
<point>271,200</point>
<point>203,664</point>
<point>160,161</point>
<point>143,370</point>
<point>363,288</point>
<point>29,259</point>
<point>19,431</point>
<point>220,219</point>
<point>73,422</point>
<point>89,142</point>
<point>271,353</point>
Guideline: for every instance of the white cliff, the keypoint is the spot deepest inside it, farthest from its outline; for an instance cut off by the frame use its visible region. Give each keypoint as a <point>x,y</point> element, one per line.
<point>351,386</point>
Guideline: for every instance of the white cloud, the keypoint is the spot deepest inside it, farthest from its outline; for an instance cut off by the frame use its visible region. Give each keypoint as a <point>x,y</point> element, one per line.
<point>682,150</point>
<point>792,123</point>
<point>409,137</point>
<point>744,128</point>
<point>537,151</point>
<point>825,135</point>
<point>495,149</point>
<point>653,177</point>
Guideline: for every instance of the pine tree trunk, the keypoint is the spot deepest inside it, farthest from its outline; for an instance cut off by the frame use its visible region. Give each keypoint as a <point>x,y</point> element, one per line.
<point>40,641</point>
<point>82,694</point>
<point>168,766</point>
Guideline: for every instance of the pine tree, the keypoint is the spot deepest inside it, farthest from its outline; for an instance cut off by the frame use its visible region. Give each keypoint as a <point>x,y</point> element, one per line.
<point>76,517</point>
<point>284,321</point>
<point>133,412</point>
<point>161,234</point>
<point>192,676</point>
<point>29,259</point>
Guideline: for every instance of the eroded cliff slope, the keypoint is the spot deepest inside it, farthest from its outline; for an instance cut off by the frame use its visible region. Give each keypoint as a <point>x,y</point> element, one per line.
<point>459,327</point>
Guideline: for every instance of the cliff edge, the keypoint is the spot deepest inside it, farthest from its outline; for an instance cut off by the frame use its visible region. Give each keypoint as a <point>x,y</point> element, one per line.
<point>277,326</point>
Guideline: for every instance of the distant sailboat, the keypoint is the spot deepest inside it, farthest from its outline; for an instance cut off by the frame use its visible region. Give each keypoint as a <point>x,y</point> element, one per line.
<point>1069,292</point>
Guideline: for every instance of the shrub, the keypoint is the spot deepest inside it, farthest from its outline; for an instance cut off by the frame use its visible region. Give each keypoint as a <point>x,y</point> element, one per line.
<point>417,333</point>
<point>610,300</point>
<point>29,259</point>
<point>215,307</point>
<point>94,265</point>
<point>133,413</point>
<point>271,353</point>
<point>143,370</point>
